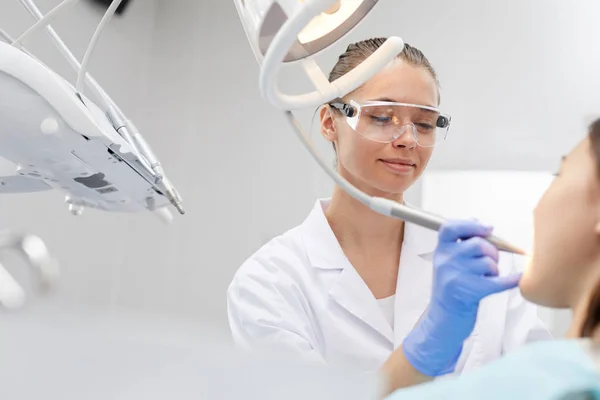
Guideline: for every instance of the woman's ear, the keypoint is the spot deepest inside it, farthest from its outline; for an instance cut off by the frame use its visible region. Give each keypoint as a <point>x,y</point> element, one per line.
<point>328,128</point>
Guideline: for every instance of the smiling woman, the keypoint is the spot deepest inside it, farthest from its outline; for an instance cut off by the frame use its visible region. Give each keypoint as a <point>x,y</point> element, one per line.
<point>349,285</point>
<point>389,131</point>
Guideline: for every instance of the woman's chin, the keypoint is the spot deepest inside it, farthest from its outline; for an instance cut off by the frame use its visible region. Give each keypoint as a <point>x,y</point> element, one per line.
<point>526,287</point>
<point>394,189</point>
<point>529,285</point>
<point>537,292</point>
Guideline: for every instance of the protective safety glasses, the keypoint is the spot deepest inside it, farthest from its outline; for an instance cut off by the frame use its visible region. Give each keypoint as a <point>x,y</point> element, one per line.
<point>384,122</point>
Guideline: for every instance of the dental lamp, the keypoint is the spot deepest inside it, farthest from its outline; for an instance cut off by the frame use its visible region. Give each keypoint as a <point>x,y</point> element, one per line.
<point>288,31</point>
<point>58,138</point>
<point>294,31</point>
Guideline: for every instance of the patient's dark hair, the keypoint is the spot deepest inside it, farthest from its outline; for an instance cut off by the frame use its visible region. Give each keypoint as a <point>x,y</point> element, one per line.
<point>592,319</point>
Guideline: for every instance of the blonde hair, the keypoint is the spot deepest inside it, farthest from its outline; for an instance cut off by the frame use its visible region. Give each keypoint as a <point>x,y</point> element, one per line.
<point>360,51</point>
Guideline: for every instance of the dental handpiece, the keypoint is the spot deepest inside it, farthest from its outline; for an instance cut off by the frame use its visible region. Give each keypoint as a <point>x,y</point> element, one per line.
<point>431,221</point>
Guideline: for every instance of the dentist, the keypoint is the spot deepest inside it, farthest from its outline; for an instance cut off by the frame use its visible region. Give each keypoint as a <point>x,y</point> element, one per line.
<point>351,286</point>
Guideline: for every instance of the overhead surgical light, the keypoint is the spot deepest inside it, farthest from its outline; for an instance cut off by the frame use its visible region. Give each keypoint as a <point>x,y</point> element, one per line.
<point>286,31</point>
<point>325,28</point>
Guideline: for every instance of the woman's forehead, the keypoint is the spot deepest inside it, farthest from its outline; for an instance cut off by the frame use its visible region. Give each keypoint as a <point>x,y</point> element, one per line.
<point>403,83</point>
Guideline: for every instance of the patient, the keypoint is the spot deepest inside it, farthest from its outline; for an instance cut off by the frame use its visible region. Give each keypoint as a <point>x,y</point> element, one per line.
<point>564,272</point>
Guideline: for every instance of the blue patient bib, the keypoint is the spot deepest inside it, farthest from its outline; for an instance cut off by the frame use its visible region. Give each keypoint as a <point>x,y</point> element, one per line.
<point>548,370</point>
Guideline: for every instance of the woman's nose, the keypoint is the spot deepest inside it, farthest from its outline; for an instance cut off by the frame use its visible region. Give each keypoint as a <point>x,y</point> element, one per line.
<point>406,137</point>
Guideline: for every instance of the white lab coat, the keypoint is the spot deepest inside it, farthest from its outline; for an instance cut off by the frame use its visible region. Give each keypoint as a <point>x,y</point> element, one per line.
<point>299,293</point>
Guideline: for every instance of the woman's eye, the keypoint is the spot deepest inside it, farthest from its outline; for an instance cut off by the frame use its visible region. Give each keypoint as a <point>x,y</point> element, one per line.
<point>379,119</point>
<point>424,126</point>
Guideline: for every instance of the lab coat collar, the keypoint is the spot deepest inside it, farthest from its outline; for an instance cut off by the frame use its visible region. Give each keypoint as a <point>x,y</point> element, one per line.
<point>324,250</point>
<point>348,289</point>
<point>322,247</point>
<point>413,288</point>
<point>423,241</point>
<point>352,293</point>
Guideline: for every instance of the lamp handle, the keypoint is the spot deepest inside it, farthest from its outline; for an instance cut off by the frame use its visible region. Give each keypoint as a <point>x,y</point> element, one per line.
<point>326,91</point>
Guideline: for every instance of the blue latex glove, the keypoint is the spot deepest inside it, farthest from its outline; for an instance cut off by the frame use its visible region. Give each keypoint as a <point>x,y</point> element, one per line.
<point>465,271</point>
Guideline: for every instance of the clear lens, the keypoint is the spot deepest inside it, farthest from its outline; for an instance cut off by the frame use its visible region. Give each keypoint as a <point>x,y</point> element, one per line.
<point>387,122</point>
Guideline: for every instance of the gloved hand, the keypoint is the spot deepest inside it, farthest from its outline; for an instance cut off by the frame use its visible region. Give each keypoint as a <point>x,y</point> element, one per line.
<point>465,271</point>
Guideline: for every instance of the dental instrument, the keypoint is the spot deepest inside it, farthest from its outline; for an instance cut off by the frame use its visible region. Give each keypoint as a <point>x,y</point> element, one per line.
<point>294,31</point>
<point>58,138</point>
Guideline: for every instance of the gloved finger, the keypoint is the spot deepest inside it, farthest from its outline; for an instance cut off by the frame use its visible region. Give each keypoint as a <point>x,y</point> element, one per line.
<point>481,266</point>
<point>453,231</point>
<point>500,284</point>
<point>478,247</point>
